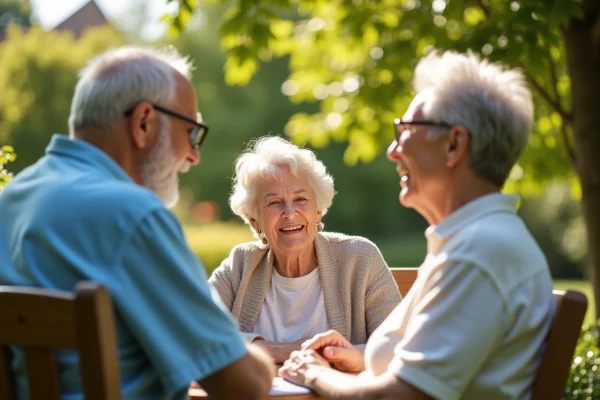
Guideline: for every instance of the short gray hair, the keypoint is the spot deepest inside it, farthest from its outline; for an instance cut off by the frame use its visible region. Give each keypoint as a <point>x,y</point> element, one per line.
<point>492,102</point>
<point>265,158</point>
<point>116,80</point>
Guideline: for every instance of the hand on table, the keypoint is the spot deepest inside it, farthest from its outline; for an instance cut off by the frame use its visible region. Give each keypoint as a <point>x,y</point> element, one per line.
<point>303,367</point>
<point>337,350</point>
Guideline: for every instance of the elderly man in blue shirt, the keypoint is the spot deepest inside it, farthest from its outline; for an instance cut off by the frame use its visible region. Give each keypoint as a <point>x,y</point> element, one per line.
<point>94,208</point>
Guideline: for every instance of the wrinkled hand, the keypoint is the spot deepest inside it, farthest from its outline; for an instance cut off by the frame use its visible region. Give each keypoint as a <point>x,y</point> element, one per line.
<point>303,367</point>
<point>337,350</point>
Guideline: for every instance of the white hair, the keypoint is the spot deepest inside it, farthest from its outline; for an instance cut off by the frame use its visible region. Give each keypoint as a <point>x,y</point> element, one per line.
<point>492,102</point>
<point>116,80</point>
<point>266,158</point>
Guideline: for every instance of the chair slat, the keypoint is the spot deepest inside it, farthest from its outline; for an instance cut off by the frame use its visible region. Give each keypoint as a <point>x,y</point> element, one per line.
<point>42,373</point>
<point>7,389</point>
<point>97,343</point>
<point>25,312</point>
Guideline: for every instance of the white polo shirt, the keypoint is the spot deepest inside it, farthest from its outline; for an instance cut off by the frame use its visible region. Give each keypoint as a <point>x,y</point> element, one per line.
<point>474,323</point>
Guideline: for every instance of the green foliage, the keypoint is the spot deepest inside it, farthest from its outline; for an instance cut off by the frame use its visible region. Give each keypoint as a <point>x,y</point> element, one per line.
<point>37,83</point>
<point>365,204</point>
<point>584,377</point>
<point>584,287</point>
<point>555,219</point>
<point>213,242</point>
<point>366,201</point>
<point>355,58</point>
<point>17,12</point>
<point>7,155</point>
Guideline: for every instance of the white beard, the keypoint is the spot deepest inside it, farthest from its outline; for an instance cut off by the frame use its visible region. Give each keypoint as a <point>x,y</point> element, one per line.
<point>160,171</point>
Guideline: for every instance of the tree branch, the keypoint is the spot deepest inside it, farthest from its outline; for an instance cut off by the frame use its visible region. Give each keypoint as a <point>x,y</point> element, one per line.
<point>564,134</point>
<point>563,126</point>
<point>484,8</point>
<point>547,98</point>
<point>553,78</point>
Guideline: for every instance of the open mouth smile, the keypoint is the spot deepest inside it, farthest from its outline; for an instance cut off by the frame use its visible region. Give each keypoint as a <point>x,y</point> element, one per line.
<point>291,228</point>
<point>404,175</point>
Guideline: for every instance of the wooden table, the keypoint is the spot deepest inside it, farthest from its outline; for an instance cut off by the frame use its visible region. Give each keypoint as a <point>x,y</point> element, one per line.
<point>199,394</point>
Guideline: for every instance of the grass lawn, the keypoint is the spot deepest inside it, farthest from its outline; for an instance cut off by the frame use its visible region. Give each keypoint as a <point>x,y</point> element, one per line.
<point>584,287</point>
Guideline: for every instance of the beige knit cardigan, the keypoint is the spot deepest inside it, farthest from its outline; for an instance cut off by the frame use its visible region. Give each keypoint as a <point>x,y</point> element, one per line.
<point>358,287</point>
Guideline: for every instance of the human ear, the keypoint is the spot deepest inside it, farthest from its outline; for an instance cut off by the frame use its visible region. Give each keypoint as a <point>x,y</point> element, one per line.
<point>254,224</point>
<point>458,145</point>
<point>141,121</point>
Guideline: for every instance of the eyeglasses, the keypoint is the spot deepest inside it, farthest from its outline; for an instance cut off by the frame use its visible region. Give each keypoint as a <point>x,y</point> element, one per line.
<point>398,124</point>
<point>197,135</point>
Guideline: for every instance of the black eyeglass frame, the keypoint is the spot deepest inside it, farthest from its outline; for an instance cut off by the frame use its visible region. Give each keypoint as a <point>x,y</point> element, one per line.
<point>398,122</point>
<point>197,136</point>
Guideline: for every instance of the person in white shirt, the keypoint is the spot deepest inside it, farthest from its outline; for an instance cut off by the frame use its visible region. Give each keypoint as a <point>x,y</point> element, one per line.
<point>474,323</point>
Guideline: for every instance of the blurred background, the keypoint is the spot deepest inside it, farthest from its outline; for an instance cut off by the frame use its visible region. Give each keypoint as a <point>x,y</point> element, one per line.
<point>44,43</point>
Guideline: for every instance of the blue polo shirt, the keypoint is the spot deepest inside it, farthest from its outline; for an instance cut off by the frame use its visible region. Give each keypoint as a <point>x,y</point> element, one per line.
<point>76,215</point>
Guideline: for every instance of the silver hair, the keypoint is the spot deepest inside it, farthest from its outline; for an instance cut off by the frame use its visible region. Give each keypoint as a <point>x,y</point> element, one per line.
<point>116,80</point>
<point>264,159</point>
<point>491,101</point>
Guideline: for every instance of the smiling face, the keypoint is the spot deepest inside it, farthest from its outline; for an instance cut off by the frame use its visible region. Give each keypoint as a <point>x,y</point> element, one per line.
<point>421,161</point>
<point>287,213</point>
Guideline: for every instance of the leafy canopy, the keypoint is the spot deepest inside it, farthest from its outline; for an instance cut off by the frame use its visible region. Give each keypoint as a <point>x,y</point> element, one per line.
<point>37,82</point>
<point>356,58</point>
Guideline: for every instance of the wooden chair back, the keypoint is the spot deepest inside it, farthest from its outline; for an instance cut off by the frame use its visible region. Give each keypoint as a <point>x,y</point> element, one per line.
<point>41,321</point>
<point>560,345</point>
<point>404,277</point>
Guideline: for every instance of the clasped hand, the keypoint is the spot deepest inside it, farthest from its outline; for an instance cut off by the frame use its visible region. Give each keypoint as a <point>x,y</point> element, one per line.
<point>322,351</point>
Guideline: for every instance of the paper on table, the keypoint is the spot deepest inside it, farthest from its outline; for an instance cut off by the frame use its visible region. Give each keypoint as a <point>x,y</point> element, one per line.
<point>281,387</point>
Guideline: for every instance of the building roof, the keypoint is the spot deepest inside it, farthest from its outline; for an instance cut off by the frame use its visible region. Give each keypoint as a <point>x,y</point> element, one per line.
<point>87,16</point>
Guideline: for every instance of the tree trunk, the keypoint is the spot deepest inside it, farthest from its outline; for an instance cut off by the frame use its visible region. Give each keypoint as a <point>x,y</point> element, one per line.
<point>582,47</point>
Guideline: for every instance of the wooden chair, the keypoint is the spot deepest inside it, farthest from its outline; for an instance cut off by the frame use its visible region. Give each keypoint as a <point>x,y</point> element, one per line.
<point>41,321</point>
<point>404,277</point>
<point>560,345</point>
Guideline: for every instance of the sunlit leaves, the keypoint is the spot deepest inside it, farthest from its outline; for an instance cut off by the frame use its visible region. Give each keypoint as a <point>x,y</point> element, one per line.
<point>238,71</point>
<point>473,16</point>
<point>377,44</point>
<point>7,155</point>
<point>178,20</point>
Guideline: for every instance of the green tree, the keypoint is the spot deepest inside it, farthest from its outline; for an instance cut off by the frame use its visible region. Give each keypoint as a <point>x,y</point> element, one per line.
<point>17,12</point>
<point>236,115</point>
<point>355,58</point>
<point>37,82</point>
<point>7,155</point>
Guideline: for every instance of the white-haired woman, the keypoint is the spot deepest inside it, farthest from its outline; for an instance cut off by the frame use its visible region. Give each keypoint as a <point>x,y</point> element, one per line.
<point>474,322</point>
<point>297,280</point>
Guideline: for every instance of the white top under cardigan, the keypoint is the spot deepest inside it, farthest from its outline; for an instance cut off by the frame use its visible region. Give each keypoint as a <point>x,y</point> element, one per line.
<point>294,309</point>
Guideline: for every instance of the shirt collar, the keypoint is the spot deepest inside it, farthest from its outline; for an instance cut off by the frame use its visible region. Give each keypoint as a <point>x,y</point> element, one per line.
<point>473,211</point>
<point>87,154</point>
